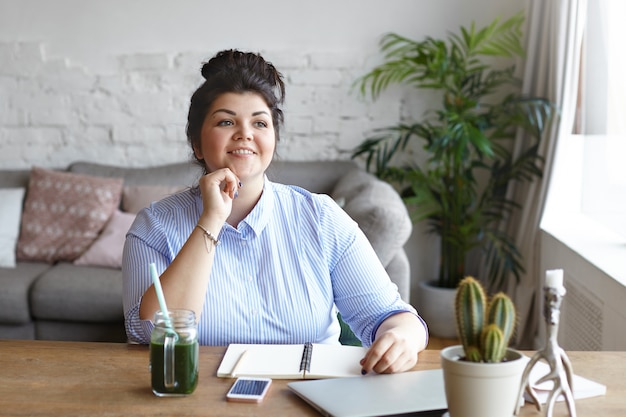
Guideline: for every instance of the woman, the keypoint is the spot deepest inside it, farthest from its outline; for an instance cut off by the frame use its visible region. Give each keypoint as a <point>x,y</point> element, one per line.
<point>257,261</point>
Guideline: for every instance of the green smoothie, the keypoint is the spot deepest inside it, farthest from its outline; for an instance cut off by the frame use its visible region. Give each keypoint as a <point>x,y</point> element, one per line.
<point>185,365</point>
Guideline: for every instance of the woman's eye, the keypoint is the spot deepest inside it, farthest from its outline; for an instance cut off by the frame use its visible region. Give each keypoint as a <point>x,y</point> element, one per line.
<point>260,124</point>
<point>225,123</point>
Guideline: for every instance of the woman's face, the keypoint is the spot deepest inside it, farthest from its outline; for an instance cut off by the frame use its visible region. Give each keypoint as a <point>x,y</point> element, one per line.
<point>238,133</point>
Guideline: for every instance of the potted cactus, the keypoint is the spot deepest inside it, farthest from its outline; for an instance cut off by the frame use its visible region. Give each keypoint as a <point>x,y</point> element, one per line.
<point>484,329</point>
<point>482,376</point>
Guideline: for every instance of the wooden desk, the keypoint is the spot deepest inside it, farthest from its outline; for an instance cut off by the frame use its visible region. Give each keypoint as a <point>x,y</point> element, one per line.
<point>40,378</point>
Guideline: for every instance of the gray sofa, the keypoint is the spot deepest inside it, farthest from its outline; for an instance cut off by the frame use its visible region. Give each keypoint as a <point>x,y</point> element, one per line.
<point>64,301</point>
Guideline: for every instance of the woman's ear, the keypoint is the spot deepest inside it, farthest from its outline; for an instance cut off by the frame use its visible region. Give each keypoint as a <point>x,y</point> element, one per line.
<point>197,152</point>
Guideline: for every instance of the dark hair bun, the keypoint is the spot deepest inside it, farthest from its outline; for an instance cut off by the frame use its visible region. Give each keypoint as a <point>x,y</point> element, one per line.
<point>247,64</point>
<point>229,60</point>
<point>214,65</point>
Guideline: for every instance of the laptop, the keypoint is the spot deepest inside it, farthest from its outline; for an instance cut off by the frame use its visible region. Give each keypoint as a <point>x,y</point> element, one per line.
<point>418,393</point>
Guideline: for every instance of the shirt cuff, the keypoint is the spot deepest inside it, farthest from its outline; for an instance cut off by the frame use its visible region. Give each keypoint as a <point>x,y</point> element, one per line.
<point>391,313</point>
<point>138,330</point>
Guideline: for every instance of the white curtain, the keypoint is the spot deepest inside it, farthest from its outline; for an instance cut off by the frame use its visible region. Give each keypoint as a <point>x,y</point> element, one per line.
<point>554,31</point>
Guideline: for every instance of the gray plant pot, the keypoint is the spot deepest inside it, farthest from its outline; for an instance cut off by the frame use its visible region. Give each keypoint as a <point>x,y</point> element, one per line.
<point>436,306</point>
<point>481,389</point>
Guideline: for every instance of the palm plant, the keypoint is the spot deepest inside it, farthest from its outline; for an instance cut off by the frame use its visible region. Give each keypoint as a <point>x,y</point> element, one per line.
<point>461,188</point>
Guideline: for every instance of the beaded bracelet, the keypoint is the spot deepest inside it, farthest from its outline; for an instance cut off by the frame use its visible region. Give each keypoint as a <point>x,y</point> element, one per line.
<point>208,236</point>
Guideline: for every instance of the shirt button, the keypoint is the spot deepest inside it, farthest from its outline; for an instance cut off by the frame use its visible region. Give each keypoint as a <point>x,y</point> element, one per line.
<point>250,278</point>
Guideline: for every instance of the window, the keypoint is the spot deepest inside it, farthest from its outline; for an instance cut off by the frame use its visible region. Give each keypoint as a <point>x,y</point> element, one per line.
<point>603,115</point>
<point>586,203</point>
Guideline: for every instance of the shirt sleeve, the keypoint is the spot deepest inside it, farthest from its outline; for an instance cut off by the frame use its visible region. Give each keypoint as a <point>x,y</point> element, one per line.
<point>363,292</point>
<point>137,256</point>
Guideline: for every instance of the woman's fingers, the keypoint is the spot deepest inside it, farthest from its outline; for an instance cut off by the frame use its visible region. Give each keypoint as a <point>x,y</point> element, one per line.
<point>218,189</point>
<point>222,180</point>
<point>389,354</point>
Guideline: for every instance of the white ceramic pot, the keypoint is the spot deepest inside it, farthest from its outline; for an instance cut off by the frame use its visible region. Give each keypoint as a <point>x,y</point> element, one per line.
<point>481,389</point>
<point>436,306</point>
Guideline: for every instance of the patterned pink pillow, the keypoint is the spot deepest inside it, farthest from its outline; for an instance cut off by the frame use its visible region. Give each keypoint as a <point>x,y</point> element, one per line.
<point>107,249</point>
<point>63,214</point>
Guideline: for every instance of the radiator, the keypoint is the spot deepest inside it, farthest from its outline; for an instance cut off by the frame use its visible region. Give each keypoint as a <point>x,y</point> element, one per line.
<point>582,321</point>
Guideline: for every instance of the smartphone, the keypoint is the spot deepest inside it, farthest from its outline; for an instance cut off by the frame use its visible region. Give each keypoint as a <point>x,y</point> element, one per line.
<point>249,390</point>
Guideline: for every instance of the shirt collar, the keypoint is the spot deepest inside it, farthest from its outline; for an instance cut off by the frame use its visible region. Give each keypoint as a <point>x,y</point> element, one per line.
<point>260,215</point>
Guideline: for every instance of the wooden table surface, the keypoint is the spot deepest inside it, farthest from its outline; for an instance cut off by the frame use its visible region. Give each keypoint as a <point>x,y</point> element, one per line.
<point>41,378</point>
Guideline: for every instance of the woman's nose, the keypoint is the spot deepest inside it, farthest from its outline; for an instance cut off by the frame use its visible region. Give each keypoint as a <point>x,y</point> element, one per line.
<point>244,133</point>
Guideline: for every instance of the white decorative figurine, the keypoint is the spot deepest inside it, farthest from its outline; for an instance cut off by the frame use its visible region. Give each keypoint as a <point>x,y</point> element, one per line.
<point>560,366</point>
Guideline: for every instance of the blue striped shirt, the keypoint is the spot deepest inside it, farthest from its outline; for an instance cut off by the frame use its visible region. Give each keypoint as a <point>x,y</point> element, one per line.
<point>279,277</point>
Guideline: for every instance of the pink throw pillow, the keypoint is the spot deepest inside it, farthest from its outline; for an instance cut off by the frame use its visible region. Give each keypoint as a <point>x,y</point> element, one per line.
<point>107,250</point>
<point>63,214</point>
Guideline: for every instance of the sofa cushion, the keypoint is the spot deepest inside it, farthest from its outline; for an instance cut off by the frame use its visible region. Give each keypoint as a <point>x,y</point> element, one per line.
<point>10,215</point>
<point>17,178</point>
<point>15,284</point>
<point>400,268</point>
<point>17,331</point>
<point>107,249</point>
<point>136,197</point>
<point>70,292</point>
<point>378,209</point>
<point>184,174</point>
<point>63,214</point>
<point>81,332</point>
<point>314,176</point>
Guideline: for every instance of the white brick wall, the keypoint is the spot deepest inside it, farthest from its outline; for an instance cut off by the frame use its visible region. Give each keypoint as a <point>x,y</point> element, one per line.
<point>53,113</point>
<point>111,81</point>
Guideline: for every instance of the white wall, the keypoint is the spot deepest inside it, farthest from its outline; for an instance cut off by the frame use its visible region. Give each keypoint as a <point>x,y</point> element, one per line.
<point>110,81</point>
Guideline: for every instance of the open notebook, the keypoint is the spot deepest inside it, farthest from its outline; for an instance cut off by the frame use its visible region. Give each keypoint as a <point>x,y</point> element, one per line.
<point>304,361</point>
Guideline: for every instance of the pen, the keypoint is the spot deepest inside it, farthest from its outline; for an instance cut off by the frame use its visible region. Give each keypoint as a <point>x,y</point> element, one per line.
<point>238,365</point>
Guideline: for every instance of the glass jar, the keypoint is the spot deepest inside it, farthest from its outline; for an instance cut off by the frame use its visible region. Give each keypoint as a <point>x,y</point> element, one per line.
<point>174,353</point>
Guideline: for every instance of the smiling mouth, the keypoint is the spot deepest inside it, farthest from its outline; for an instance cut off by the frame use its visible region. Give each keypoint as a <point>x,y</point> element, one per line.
<point>242,152</point>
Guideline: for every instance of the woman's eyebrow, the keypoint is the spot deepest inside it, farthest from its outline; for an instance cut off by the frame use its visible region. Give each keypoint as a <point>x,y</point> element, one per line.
<point>225,111</point>
<point>256,113</point>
